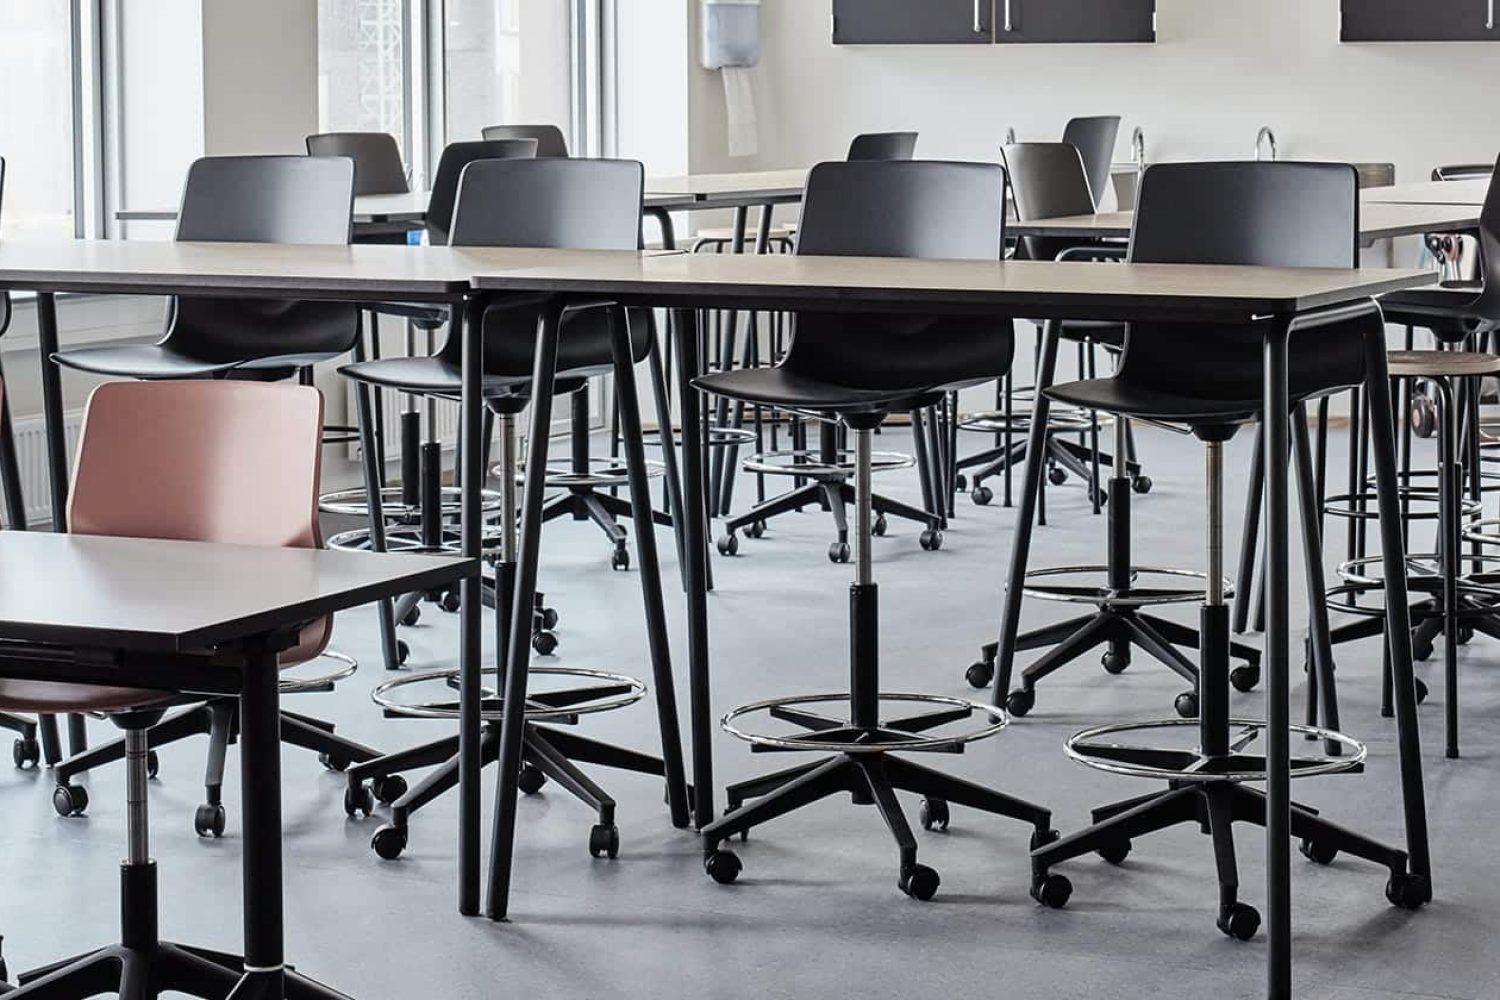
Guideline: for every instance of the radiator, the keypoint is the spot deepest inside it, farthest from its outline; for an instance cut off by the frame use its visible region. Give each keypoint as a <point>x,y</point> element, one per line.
<point>31,455</point>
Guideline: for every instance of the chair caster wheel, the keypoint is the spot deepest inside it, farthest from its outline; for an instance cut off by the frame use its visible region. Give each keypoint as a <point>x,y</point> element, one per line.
<point>1410,892</point>
<point>931,540</point>
<point>544,642</point>
<point>548,618</point>
<point>1423,417</point>
<point>412,617</point>
<point>1019,702</point>
<point>982,495</point>
<point>1116,853</point>
<point>1239,921</point>
<point>1186,704</point>
<point>604,841</point>
<point>208,820</point>
<point>920,882</point>
<point>1052,891</point>
<point>450,602</point>
<point>1114,663</point>
<point>879,527</point>
<point>1322,854</point>
<point>1057,475</point>
<point>531,779</point>
<point>1421,690</point>
<point>838,552</point>
<point>979,674</point>
<point>389,789</point>
<point>1244,678</point>
<point>1041,838</point>
<point>70,800</point>
<point>1098,498</point>
<point>1141,484</point>
<point>722,866</point>
<point>933,813</point>
<point>403,651</point>
<point>961,482</point>
<point>359,801</point>
<point>26,752</point>
<point>334,761</point>
<point>619,559</point>
<point>153,764</point>
<point>728,545</point>
<point>389,841</point>
<point>756,529</point>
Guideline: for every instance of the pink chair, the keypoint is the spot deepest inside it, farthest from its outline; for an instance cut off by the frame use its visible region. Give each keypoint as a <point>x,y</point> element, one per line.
<point>220,461</point>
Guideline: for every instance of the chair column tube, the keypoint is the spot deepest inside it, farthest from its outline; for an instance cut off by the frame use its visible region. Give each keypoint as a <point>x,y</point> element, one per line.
<point>1213,665</point>
<point>864,626</point>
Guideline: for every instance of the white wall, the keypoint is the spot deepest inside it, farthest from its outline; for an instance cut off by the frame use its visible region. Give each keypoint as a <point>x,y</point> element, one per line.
<point>1220,70</point>
<point>260,76</point>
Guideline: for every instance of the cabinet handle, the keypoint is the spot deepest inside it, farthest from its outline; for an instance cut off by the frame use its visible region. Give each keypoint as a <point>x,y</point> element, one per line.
<point>1490,22</point>
<point>1008,24</point>
<point>978,18</point>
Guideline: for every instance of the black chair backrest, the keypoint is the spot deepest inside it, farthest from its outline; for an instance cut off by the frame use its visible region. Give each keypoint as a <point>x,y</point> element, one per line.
<point>883,146</point>
<point>1095,139</point>
<point>1047,182</point>
<point>550,140</point>
<point>456,156</point>
<point>377,159</point>
<point>1462,171</point>
<point>554,203</point>
<point>264,199</point>
<point>1273,214</point>
<point>894,208</point>
<point>267,199</point>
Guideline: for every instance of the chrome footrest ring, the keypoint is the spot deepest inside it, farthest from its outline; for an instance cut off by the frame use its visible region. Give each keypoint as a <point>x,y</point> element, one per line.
<point>1134,597</point>
<point>587,692</point>
<point>355,503</point>
<point>833,733</point>
<point>1063,420</point>
<point>1101,749</point>
<point>809,463</point>
<point>1424,580</point>
<point>603,473</point>
<point>717,437</point>
<point>293,683</point>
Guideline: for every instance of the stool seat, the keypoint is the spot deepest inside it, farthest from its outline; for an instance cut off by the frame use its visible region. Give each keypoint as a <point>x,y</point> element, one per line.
<point>1446,300</point>
<point>785,388</point>
<point>161,361</point>
<point>1441,364</point>
<point>54,697</point>
<point>437,375</point>
<point>1114,395</point>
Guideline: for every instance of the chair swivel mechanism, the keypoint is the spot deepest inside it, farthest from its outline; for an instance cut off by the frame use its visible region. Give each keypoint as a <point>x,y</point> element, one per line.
<point>858,369</point>
<point>1207,380</point>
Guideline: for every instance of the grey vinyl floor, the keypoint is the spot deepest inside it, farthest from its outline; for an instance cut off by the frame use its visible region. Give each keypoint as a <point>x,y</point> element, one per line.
<point>817,911</point>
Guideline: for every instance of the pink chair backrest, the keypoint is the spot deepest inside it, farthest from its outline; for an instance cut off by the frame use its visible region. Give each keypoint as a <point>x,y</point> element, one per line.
<point>209,461</point>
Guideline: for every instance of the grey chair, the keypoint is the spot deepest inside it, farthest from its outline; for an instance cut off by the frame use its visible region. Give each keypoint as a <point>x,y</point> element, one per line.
<point>378,168</point>
<point>883,146</point>
<point>1095,139</point>
<point>550,141</point>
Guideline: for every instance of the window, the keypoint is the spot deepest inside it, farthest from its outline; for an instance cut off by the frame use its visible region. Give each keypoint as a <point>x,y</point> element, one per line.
<point>507,62</point>
<point>36,112</point>
<point>362,80</point>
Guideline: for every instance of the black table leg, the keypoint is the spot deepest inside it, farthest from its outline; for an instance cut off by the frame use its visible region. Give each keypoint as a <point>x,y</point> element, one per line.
<point>695,540</point>
<point>467,324</point>
<point>629,408</point>
<point>260,790</point>
<point>1036,448</point>
<point>1274,667</point>
<point>1397,609</point>
<point>515,658</point>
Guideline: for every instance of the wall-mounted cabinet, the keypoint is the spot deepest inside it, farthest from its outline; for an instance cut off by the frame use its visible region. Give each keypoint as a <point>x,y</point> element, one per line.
<point>970,22</point>
<point>1420,20</point>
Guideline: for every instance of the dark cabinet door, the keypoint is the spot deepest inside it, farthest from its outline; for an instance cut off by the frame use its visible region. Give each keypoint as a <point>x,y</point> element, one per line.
<point>1420,20</point>
<point>912,22</point>
<point>1021,21</point>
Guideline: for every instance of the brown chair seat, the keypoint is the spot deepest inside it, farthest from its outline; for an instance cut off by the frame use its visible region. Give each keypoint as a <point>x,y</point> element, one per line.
<point>56,697</point>
<point>1442,364</point>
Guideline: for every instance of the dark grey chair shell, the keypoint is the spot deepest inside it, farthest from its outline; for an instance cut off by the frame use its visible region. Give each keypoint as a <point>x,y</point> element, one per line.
<point>883,146</point>
<point>550,141</point>
<point>1095,138</point>
<point>378,168</point>
<point>456,156</point>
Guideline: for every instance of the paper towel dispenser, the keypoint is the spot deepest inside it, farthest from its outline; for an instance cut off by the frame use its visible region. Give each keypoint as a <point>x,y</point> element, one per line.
<point>731,33</point>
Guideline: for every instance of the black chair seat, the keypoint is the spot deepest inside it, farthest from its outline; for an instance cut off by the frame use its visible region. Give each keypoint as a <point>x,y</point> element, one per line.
<point>1102,332</point>
<point>1114,395</point>
<point>792,390</point>
<point>162,361</point>
<point>1450,311</point>
<point>437,376</point>
<point>428,317</point>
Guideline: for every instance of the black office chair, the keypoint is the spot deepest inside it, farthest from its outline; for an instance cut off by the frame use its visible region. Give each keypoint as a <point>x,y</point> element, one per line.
<point>248,199</point>
<point>378,168</point>
<point>550,141</point>
<point>1095,140</point>
<point>1207,381</point>
<point>882,146</point>
<point>857,369</point>
<point>575,204</point>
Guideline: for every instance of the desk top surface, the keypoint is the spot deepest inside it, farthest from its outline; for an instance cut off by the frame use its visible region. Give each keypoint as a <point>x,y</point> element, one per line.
<point>1469,192</point>
<point>1377,220</point>
<point>155,595</point>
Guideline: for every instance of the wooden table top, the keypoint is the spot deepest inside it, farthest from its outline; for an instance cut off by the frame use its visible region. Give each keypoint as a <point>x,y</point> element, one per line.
<point>1377,220</point>
<point>1470,192</point>
<point>154,595</point>
<point>1029,288</point>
